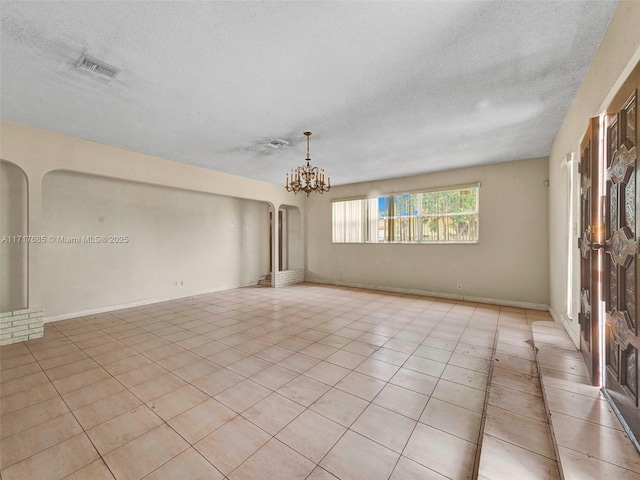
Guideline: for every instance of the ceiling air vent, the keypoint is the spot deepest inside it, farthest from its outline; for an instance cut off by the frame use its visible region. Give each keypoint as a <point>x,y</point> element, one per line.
<point>278,143</point>
<point>97,66</point>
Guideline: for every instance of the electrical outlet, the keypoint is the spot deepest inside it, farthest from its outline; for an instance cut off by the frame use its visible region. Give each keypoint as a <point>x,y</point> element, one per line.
<point>181,282</point>
<point>459,286</point>
<point>175,284</point>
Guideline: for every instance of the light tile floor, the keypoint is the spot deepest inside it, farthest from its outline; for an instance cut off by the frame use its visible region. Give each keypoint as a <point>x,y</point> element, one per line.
<point>590,441</point>
<point>306,381</point>
<point>517,441</point>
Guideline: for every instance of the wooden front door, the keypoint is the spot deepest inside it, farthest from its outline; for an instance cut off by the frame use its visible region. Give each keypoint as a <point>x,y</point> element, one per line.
<point>620,287</point>
<point>589,244</point>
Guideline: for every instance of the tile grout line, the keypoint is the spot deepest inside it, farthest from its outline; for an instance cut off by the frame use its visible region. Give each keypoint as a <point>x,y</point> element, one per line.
<point>84,432</point>
<point>541,398</point>
<point>277,344</point>
<point>476,466</point>
<point>547,411</point>
<point>371,403</point>
<point>102,457</point>
<point>430,395</point>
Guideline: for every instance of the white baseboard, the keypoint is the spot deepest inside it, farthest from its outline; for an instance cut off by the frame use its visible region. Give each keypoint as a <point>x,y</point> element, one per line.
<point>138,303</point>
<point>450,296</point>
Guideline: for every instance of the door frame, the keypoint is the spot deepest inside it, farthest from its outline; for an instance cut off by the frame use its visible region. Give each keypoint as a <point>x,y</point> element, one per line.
<point>590,243</point>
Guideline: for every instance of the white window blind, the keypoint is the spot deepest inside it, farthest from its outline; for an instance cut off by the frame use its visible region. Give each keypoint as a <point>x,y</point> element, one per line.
<point>349,225</point>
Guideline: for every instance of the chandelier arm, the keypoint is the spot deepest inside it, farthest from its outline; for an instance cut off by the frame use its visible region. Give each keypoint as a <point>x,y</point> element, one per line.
<point>307,178</point>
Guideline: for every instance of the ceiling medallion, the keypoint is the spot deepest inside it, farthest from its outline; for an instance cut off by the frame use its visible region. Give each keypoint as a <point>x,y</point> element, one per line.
<point>307,178</point>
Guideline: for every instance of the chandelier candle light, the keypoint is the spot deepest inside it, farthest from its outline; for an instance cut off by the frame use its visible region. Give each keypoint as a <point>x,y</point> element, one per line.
<point>307,178</point>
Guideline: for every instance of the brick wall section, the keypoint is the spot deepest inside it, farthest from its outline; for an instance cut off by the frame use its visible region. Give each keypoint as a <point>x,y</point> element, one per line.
<point>287,277</point>
<point>21,325</point>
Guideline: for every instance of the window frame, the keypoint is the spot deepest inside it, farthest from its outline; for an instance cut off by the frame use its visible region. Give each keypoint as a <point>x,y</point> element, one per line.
<point>370,225</point>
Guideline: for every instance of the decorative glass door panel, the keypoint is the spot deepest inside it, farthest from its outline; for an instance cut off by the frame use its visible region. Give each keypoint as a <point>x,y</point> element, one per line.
<point>620,291</point>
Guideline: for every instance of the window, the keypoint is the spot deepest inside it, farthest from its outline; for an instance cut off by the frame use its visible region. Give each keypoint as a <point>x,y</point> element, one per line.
<point>349,221</point>
<point>443,216</point>
<point>570,163</point>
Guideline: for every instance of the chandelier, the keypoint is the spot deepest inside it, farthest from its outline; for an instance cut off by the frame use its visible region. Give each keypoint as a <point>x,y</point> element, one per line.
<point>307,178</point>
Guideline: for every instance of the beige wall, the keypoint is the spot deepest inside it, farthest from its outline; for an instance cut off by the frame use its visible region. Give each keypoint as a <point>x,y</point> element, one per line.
<point>206,228</point>
<point>204,242</point>
<point>13,222</point>
<point>508,266</point>
<point>295,239</point>
<point>616,56</point>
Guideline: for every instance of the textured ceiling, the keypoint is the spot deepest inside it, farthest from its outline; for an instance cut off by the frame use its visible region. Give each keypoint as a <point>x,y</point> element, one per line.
<point>388,88</point>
